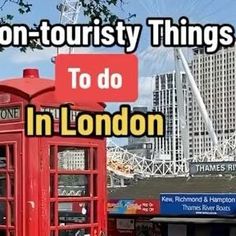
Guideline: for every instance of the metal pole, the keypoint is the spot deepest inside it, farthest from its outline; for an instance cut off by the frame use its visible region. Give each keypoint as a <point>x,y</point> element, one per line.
<point>198,97</point>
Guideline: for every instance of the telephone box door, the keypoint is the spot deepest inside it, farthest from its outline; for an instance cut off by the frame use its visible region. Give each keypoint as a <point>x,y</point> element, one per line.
<point>73,178</point>
<point>10,184</point>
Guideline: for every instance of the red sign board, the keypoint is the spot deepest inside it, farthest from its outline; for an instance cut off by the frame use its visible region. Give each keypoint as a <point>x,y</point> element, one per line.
<point>134,207</point>
<point>97,77</point>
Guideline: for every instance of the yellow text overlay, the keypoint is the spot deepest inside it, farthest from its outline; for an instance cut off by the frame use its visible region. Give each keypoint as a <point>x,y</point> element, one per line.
<point>119,124</point>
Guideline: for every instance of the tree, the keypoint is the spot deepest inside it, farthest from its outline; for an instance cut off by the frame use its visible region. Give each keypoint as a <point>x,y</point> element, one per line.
<point>23,7</point>
<point>90,8</point>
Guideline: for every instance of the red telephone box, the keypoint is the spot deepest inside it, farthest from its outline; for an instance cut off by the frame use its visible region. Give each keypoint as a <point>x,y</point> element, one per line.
<point>49,186</point>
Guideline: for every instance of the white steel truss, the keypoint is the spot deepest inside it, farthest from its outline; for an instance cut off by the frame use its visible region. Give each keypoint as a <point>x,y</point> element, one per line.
<point>223,152</point>
<point>69,10</point>
<point>122,164</point>
<point>125,165</point>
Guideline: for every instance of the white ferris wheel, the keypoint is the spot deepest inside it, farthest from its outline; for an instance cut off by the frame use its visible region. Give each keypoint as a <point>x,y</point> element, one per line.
<point>123,165</point>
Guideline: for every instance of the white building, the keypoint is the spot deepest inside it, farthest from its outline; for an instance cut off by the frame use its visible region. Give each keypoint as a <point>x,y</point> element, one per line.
<point>165,101</point>
<point>215,77</point>
<point>72,159</point>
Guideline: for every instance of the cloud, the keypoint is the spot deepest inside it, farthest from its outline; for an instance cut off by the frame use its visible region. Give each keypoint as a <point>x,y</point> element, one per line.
<point>153,61</point>
<point>146,87</point>
<point>159,60</point>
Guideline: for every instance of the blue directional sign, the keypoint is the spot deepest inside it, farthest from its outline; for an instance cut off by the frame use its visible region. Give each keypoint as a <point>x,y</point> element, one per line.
<point>198,204</point>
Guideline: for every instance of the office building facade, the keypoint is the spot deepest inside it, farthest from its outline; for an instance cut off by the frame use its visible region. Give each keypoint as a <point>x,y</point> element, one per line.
<point>165,101</point>
<point>215,77</point>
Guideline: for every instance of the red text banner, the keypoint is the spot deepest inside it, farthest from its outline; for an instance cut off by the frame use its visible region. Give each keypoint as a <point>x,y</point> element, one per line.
<point>97,77</point>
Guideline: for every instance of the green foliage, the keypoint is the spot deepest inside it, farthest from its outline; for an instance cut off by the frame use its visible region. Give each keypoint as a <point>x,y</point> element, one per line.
<point>101,8</point>
<point>23,8</point>
<point>91,9</point>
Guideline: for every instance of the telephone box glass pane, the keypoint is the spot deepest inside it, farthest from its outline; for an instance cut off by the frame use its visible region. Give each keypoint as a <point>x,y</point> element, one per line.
<point>2,213</point>
<point>52,213</point>
<point>51,156</point>
<point>11,212</point>
<point>72,158</point>
<point>73,232</point>
<point>52,186</point>
<point>12,185</point>
<point>3,232</point>
<point>73,185</point>
<point>11,157</point>
<point>3,157</point>
<point>95,205</point>
<point>3,185</point>
<point>73,213</point>
<point>95,184</point>
<point>95,159</point>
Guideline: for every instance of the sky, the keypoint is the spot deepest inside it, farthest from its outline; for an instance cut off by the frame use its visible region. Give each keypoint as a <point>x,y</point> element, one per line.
<point>151,60</point>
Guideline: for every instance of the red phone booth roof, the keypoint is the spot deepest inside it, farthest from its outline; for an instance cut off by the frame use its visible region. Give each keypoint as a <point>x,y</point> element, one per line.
<point>30,85</point>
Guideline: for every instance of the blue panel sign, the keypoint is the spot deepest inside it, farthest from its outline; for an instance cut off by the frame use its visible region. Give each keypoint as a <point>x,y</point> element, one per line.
<point>198,204</point>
